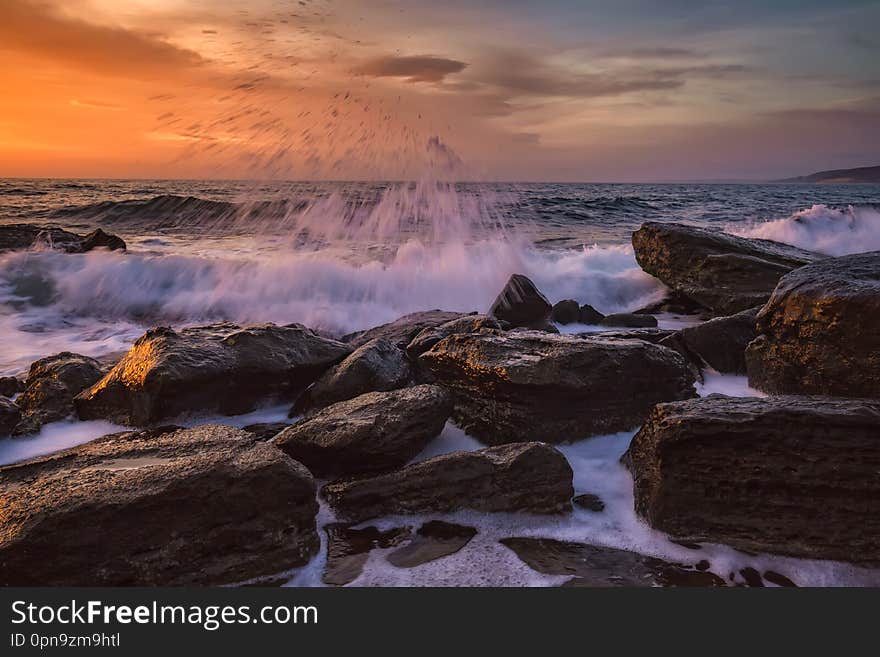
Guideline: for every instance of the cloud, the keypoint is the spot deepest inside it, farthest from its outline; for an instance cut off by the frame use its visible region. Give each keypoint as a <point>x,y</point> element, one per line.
<point>415,68</point>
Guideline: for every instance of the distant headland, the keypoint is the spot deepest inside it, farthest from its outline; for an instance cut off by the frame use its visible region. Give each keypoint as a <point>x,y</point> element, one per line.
<point>859,175</point>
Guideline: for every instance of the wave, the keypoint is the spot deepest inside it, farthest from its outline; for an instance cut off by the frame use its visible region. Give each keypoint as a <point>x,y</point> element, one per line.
<point>827,230</point>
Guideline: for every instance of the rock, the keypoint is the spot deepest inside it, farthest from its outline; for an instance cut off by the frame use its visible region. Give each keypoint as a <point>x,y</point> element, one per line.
<point>786,475</point>
<point>99,239</point>
<point>529,477</point>
<point>589,502</point>
<point>348,550</point>
<point>719,343</point>
<point>751,577</point>
<point>589,315</point>
<point>428,337</point>
<point>673,303</point>
<point>629,320</point>
<point>201,506</point>
<point>779,580</point>
<point>376,366</point>
<point>820,331</point>
<point>566,312</point>
<point>528,385</point>
<point>371,433</point>
<point>520,303</point>
<point>266,430</point>
<point>10,386</point>
<point>654,335</point>
<point>51,385</point>
<point>10,416</point>
<point>721,272</point>
<point>218,368</point>
<point>595,565</point>
<point>434,540</point>
<point>402,330</point>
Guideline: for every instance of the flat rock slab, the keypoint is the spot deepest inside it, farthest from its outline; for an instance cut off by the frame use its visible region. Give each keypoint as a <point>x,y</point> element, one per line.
<point>348,550</point>
<point>786,475</point>
<point>401,331</point>
<point>201,506</point>
<point>529,477</point>
<point>428,337</point>
<point>598,566</point>
<point>529,385</point>
<point>433,540</point>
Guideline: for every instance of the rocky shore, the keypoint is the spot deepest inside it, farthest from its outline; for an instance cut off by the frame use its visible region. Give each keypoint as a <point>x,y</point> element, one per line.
<point>794,473</point>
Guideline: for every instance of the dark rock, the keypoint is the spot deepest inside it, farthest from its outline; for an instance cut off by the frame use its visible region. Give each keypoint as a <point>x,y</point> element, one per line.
<point>51,385</point>
<point>348,550</point>
<point>786,475</point>
<point>10,386</point>
<point>629,320</point>
<point>566,312</point>
<point>434,540</point>
<point>10,416</point>
<point>266,430</point>
<point>820,332</point>
<point>427,338</point>
<point>371,433</point>
<point>779,580</point>
<point>402,330</point>
<point>722,272</point>
<point>589,315</point>
<point>99,239</point>
<point>654,335</point>
<point>520,303</point>
<point>530,477</point>
<point>719,343</point>
<point>218,368</point>
<point>751,577</point>
<point>589,502</point>
<point>594,565</point>
<point>528,385</point>
<point>376,366</point>
<point>202,506</point>
<point>673,303</point>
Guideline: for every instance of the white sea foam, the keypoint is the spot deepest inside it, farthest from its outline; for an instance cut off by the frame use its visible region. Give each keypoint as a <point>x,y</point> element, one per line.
<point>53,438</point>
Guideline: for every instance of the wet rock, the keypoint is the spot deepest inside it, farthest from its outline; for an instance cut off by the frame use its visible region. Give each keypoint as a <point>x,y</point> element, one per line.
<point>520,303</point>
<point>266,430</point>
<point>629,320</point>
<point>673,303</point>
<point>589,315</point>
<point>751,577</point>
<point>434,540</point>
<point>722,272</point>
<point>427,338</point>
<point>10,386</point>
<point>528,385</point>
<point>654,335</point>
<point>779,580</point>
<point>530,477</point>
<point>10,416</point>
<point>17,237</point>
<point>201,506</point>
<point>401,331</point>
<point>371,433</point>
<point>595,566</point>
<point>820,331</point>
<point>99,239</point>
<point>589,502</point>
<point>785,475</point>
<point>348,550</point>
<point>719,343</point>
<point>217,368</point>
<point>376,366</point>
<point>566,312</point>
<point>51,385</point>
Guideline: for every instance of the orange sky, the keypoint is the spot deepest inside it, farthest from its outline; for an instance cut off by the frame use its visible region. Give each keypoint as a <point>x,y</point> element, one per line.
<point>342,89</point>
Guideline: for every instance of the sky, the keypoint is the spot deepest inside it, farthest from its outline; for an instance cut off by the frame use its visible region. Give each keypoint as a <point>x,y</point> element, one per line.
<point>558,90</point>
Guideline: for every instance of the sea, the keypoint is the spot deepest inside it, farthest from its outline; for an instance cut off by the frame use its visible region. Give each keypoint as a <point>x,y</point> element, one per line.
<point>345,256</point>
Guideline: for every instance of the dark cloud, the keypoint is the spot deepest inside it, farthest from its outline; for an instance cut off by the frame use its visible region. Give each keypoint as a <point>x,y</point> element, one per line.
<point>416,68</point>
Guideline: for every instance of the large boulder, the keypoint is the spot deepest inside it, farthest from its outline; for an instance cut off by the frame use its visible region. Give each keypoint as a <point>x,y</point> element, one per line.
<point>787,475</point>
<point>18,237</point>
<point>566,311</point>
<point>373,432</point>
<point>376,366</point>
<point>719,343</point>
<point>428,337</point>
<point>531,385</point>
<point>202,506</point>
<point>51,385</point>
<point>629,320</point>
<point>402,330</point>
<point>218,368</point>
<point>521,303</point>
<point>820,332</point>
<point>10,416</point>
<point>530,477</point>
<point>723,273</point>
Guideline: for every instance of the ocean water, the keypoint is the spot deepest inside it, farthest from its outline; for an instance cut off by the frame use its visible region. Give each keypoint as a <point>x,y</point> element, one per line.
<point>347,256</point>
